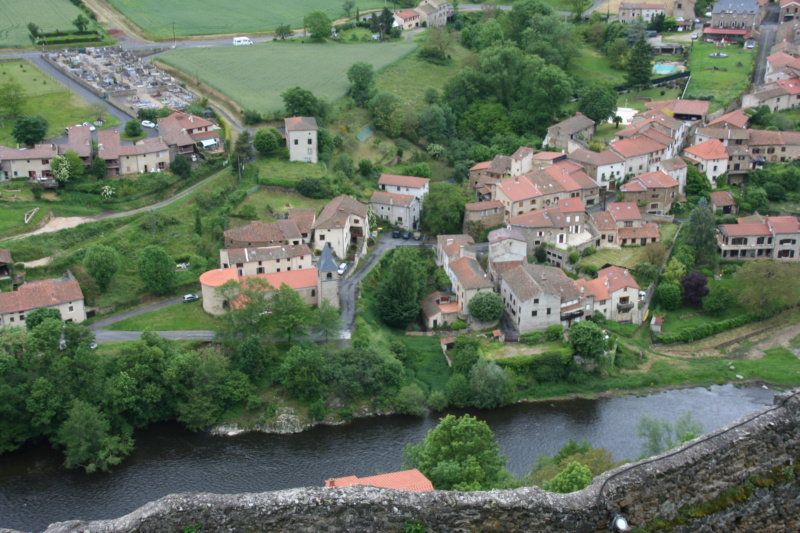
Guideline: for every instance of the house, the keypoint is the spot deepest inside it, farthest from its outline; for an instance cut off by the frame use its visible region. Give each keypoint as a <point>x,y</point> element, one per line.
<point>305,282</point>
<point>408,19</point>
<point>614,293</point>
<point>266,259</point>
<point>410,185</point>
<point>573,181</point>
<point>659,127</point>
<point>789,10</point>
<point>450,246</point>
<point>760,237</point>
<point>683,10</point>
<point>148,155</point>
<point>522,161</point>
<point>628,11</point>
<point>640,153</point>
<point>301,138</point>
<point>537,296</point>
<point>741,15</point>
<point>683,110</point>
<point>771,146</point>
<point>735,119</point>
<point>63,294</point>
<point>656,191</point>
<point>328,270</point>
<point>435,13</point>
<point>622,225</point>
<point>477,170</point>
<point>562,227</point>
<point>412,480</point>
<point>305,219</point>
<point>400,210</point>
<point>737,143</point>
<point>723,201</point>
<point>32,163</point>
<point>606,167</point>
<point>342,223</point>
<point>439,309</point>
<point>508,249</point>
<point>259,234</point>
<point>580,128</point>
<point>483,214</point>
<point>779,95</point>
<point>79,140</point>
<point>182,133</point>
<point>468,279</point>
<point>5,264</point>
<point>781,65</point>
<point>677,169</point>
<point>710,157</point>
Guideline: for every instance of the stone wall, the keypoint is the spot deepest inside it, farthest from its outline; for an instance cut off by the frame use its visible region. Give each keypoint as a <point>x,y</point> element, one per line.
<point>685,489</point>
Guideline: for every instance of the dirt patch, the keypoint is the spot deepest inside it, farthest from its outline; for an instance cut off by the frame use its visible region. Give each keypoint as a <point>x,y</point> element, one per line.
<point>517,349</point>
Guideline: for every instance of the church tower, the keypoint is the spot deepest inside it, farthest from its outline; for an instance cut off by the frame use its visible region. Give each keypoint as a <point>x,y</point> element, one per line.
<point>328,272</point>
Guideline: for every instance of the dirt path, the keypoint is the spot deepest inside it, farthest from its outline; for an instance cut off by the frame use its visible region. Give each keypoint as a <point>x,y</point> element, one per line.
<point>106,13</point>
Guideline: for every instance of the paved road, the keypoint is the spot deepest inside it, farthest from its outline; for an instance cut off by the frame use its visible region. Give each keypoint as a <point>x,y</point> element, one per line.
<point>104,335</point>
<point>765,42</point>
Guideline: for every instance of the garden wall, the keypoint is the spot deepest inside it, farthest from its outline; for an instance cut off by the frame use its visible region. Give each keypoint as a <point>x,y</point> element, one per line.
<point>684,490</point>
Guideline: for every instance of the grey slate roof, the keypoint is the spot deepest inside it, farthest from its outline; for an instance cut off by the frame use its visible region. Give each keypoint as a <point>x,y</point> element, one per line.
<point>737,6</point>
<point>326,261</point>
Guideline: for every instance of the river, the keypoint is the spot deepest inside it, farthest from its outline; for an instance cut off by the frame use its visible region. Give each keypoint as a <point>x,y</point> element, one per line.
<point>35,491</point>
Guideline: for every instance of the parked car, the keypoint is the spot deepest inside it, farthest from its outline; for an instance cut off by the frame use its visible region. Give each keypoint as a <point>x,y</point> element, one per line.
<point>342,268</point>
<point>750,45</point>
<point>406,235</point>
<point>190,298</point>
<point>89,125</point>
<point>148,124</point>
<point>694,35</point>
<point>396,233</point>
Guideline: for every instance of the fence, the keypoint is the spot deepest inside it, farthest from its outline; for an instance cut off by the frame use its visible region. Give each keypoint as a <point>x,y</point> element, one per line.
<point>658,81</point>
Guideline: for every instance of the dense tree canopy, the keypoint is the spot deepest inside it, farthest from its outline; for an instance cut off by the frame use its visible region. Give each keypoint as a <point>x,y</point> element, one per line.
<point>765,287</point>
<point>443,208</point>
<point>318,24</point>
<point>157,269</point>
<point>587,339</point>
<point>401,287</point>
<point>29,130</point>
<point>101,262</point>
<point>694,289</point>
<point>362,81</point>
<point>598,102</point>
<point>640,66</point>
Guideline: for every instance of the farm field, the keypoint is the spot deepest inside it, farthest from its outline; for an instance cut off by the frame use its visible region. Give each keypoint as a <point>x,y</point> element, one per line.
<point>47,97</point>
<point>210,17</point>
<point>319,68</point>
<point>49,15</point>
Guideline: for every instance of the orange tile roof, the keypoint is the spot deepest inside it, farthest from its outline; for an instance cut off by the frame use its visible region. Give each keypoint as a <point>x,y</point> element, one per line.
<point>571,205</point>
<point>595,287</point>
<point>617,278</point>
<point>412,480</point>
<point>483,206</point>
<point>734,118</point>
<point>624,211</point>
<point>337,211</point>
<point>722,198</point>
<point>791,86</point>
<point>304,218</point>
<point>646,231</point>
<point>389,198</point>
<point>522,152</point>
<point>300,124</point>
<point>296,279</point>
<point>469,273</point>
<point>672,164</point>
<point>403,181</point>
<point>541,218</point>
<point>278,231</point>
<point>787,224</point>
<point>44,293</point>
<point>680,107</point>
<point>546,156</point>
<point>745,230</point>
<point>519,189</point>
<point>652,180</point>
<point>603,220</point>
<point>709,150</point>
<point>637,146</point>
<point>457,238</point>
<point>407,14</point>
<point>568,166</point>
<point>481,166</point>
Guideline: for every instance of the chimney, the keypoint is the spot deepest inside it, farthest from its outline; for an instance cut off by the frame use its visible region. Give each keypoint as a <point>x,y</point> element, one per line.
<point>191,118</point>
<point>516,179</point>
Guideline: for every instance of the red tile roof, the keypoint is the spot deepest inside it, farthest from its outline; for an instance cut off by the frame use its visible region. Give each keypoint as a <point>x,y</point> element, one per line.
<point>784,224</point>
<point>637,146</point>
<point>403,181</point>
<point>296,279</point>
<point>407,14</point>
<point>791,86</point>
<point>300,124</point>
<point>596,288</point>
<point>304,218</point>
<point>672,164</point>
<point>722,198</point>
<point>603,221</point>
<point>522,152</point>
<point>79,140</point>
<point>481,166</point>
<point>547,156</point>
<point>484,206</point>
<point>709,150</point>
<point>469,273</point>
<point>44,293</point>
<point>274,232</point>
<point>606,157</point>
<point>745,230</point>
<point>646,231</point>
<point>337,211</point>
<point>519,188</point>
<point>571,205</point>
<point>650,180</point>
<point>734,118</point>
<point>624,211</point>
<point>502,234</point>
<point>267,253</point>
<point>618,278</point>
<point>682,107</point>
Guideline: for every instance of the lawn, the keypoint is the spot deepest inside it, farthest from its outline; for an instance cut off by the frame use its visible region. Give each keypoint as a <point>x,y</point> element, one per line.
<point>593,66</point>
<point>628,256</point>
<point>49,15</point>
<point>724,78</point>
<point>319,68</point>
<point>673,322</point>
<point>606,131</point>
<point>637,100</point>
<point>209,17</point>
<point>47,97</point>
<point>179,316</point>
<point>271,201</point>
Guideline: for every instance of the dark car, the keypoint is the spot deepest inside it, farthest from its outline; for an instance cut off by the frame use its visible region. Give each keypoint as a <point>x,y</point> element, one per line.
<point>406,235</point>
<point>396,233</point>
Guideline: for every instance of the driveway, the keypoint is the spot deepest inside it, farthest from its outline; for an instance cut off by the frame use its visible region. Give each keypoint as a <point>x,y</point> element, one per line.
<point>765,42</point>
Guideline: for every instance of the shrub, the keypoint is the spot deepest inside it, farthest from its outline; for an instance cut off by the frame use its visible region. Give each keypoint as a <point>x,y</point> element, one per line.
<point>459,324</point>
<point>532,337</point>
<point>410,400</point>
<point>554,333</point>
<point>589,251</point>
<point>437,401</point>
<point>248,212</point>
<point>706,330</point>
<point>589,270</point>
<point>574,257</point>
<point>486,306</point>
<point>668,295</point>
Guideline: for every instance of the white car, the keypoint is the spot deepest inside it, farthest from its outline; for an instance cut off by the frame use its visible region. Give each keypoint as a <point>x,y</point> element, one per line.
<point>148,124</point>
<point>342,268</point>
<point>89,125</point>
<point>694,35</point>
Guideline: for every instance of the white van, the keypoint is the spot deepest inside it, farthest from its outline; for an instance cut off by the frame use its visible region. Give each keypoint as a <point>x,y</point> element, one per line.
<point>241,40</point>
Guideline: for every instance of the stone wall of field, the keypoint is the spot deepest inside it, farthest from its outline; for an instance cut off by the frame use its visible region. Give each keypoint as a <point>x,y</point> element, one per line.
<point>739,478</point>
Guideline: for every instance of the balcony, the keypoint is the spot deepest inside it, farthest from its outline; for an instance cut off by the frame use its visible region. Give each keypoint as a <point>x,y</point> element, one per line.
<point>625,307</point>
<point>569,315</point>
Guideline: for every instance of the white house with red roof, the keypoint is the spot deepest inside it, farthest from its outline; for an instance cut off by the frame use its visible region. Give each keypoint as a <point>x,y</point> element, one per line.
<point>408,19</point>
<point>563,228</point>
<point>778,95</point>
<point>614,293</point>
<point>622,225</point>
<point>63,294</point>
<point>781,65</point>
<point>410,185</point>
<point>655,190</point>
<point>412,480</point>
<point>402,210</point>
<point>605,168</point>
<point>342,223</point>
<point>710,157</point>
<point>677,169</point>
<point>641,154</point>
<point>760,237</point>
<point>301,138</point>
<point>182,132</point>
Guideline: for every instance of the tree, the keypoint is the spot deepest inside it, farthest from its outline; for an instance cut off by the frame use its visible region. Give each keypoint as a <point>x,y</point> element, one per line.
<point>765,287</point>
<point>617,53</point>
<point>252,356</point>
<point>387,113</point>
<point>283,31</point>
<point>348,6</point>
<point>362,81</point>
<point>265,141</point>
<point>702,234</point>
<point>33,29</point>
<point>718,301</point>
<point>655,253</point>
<point>694,289</point>
<point>29,130</point>
<point>318,23</point>
<point>181,166</point>
<point>668,296</point>
<point>251,317</point>
<point>157,269</point>
<point>696,182</point>
<point>757,198</point>
<point>303,372</point>
<point>646,272</point>
<point>87,439</point>
<point>101,262</point>
<point>465,353</point>
<point>37,316</point>
<point>243,150</point>
<point>133,128</point>
<point>60,167</point>
<point>99,168</point>
<point>410,400</point>
<point>675,270</point>
<point>490,385</point>
<point>573,478</point>
<point>326,320</point>
<point>289,313</point>
<point>640,66</point>
<point>598,102</point>
<point>401,287</point>
<point>486,306</point>
<point>300,102</point>
<point>443,208</point>
<point>440,41</point>
<point>12,97</point>
<point>587,339</point>
<point>81,22</point>
<point>99,110</point>
<point>459,454</point>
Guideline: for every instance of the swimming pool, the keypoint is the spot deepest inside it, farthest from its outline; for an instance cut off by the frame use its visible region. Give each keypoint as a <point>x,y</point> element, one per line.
<point>663,69</point>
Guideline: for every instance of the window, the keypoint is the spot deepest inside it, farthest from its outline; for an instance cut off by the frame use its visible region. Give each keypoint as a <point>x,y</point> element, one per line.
<point>313,292</point>
<point>71,308</point>
<point>296,142</point>
<point>11,319</point>
<point>536,300</point>
<point>548,310</point>
<point>322,237</point>
<point>628,224</point>
<point>310,142</point>
<point>534,313</point>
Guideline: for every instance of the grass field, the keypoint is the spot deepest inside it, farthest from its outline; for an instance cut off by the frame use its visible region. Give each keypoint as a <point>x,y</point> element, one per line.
<point>172,318</point>
<point>45,96</point>
<point>673,322</point>
<point>628,256</point>
<point>730,78</point>
<point>208,17</point>
<point>49,15</point>
<point>320,68</point>
<point>593,66</point>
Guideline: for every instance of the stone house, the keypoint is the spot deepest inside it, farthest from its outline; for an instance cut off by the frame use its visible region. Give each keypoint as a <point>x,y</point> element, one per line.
<point>562,227</point>
<point>148,155</point>
<point>779,95</point>
<point>738,14</point>
<point>614,293</point>
<point>409,185</point>
<point>483,214</point>
<point>640,153</point>
<point>32,163</point>
<point>781,66</point>
<point>629,11</point>
<point>622,225</point>
<point>710,157</point>
<point>789,10</point>
<point>266,259</point>
<point>79,140</point>
<point>537,296</point>
<point>400,210</point>
<point>342,223</point>
<point>468,279</point>
<point>723,201</point>
<point>182,133</point>
<point>435,13</point>
<point>452,247</point>
<point>63,294</point>
<point>677,169</point>
<point>580,127</point>
<point>771,146</point>
<point>259,234</point>
<point>301,138</point>
<point>760,237</point>
<point>605,167</point>
<point>655,191</point>
<point>439,309</point>
<point>508,249</point>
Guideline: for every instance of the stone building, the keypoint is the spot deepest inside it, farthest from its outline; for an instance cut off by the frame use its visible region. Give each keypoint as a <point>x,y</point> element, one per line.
<point>301,138</point>
<point>63,294</point>
<point>577,128</point>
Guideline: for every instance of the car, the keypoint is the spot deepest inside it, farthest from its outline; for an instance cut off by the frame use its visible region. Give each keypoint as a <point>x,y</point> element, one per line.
<point>190,298</point>
<point>342,268</point>
<point>148,124</point>
<point>91,128</point>
<point>406,235</point>
<point>396,233</point>
<point>694,35</point>
<point>93,346</point>
<point>750,45</point>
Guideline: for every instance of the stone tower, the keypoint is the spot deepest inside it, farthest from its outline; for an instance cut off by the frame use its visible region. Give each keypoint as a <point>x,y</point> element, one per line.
<point>328,277</point>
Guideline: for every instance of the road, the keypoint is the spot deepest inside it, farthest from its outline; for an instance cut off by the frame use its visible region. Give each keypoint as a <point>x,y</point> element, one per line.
<point>765,42</point>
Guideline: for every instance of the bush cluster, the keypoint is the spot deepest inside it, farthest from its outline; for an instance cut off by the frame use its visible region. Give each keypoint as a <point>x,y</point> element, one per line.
<point>550,366</point>
<point>706,330</point>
